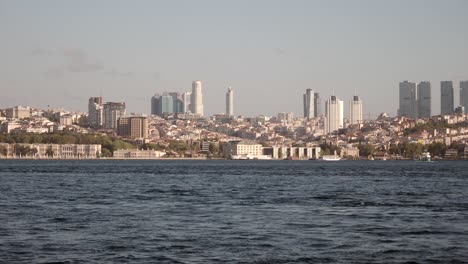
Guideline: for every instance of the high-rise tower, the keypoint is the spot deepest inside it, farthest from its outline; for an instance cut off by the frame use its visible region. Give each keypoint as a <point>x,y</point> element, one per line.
<point>408,102</point>
<point>446,98</point>
<point>464,94</point>
<point>95,111</point>
<point>424,99</point>
<point>309,104</point>
<point>112,112</point>
<point>355,110</point>
<point>334,114</point>
<point>230,102</point>
<point>197,98</point>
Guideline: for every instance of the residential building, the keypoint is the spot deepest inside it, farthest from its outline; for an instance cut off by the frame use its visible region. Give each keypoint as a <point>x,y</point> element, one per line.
<point>355,111</point>
<point>424,99</point>
<point>334,114</point>
<point>464,94</point>
<point>66,120</point>
<point>95,112</point>
<point>133,127</point>
<point>408,101</point>
<point>112,112</point>
<point>18,112</point>
<point>446,98</point>
<point>197,98</point>
<point>230,102</point>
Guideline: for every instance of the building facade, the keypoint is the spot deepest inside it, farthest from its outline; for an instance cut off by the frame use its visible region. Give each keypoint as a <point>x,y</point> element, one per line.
<point>446,98</point>
<point>230,102</point>
<point>355,111</point>
<point>112,112</point>
<point>317,105</point>
<point>186,102</point>
<point>133,127</point>
<point>424,99</point>
<point>197,98</point>
<point>408,100</point>
<point>308,102</point>
<point>464,94</point>
<point>167,103</point>
<point>334,114</point>
<point>95,112</point>
<point>18,112</point>
<point>58,151</point>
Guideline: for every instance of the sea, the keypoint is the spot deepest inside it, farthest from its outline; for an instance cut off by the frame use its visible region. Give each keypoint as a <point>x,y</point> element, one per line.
<point>221,211</point>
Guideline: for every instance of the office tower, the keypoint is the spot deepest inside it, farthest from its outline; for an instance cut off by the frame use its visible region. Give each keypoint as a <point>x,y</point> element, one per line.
<point>446,98</point>
<point>334,114</point>
<point>197,98</point>
<point>308,103</point>
<point>167,104</point>
<point>95,111</point>
<point>186,102</point>
<point>464,94</point>
<point>112,112</point>
<point>317,105</point>
<point>133,127</point>
<point>230,102</point>
<point>424,99</point>
<point>355,111</point>
<point>177,103</point>
<point>156,104</point>
<point>408,102</point>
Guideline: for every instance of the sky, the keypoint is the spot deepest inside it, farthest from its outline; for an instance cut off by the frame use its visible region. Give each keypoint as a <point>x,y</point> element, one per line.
<point>59,53</point>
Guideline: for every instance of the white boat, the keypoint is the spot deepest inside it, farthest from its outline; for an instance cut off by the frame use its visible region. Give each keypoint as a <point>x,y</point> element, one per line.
<point>425,156</point>
<point>333,157</point>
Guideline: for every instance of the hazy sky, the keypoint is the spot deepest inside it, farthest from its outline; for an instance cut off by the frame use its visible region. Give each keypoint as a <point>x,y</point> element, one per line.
<point>59,53</point>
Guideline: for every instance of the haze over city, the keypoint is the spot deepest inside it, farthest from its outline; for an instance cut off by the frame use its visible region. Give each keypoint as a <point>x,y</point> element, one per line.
<point>61,53</point>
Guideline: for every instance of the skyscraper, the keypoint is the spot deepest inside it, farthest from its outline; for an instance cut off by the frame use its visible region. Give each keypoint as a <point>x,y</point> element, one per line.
<point>167,103</point>
<point>309,104</point>
<point>156,105</point>
<point>355,110</point>
<point>408,103</point>
<point>95,111</point>
<point>230,102</point>
<point>424,99</point>
<point>446,98</point>
<point>334,114</point>
<point>112,112</point>
<point>317,105</point>
<point>464,94</point>
<point>186,99</point>
<point>197,98</point>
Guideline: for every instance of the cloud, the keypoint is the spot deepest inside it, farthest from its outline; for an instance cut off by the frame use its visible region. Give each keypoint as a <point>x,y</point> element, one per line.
<point>115,73</point>
<point>78,61</point>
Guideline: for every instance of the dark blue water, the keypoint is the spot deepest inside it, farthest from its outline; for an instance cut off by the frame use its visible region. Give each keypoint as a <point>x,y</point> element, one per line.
<point>233,212</point>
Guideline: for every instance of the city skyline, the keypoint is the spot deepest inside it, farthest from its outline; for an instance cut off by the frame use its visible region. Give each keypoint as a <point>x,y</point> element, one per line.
<point>265,46</point>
